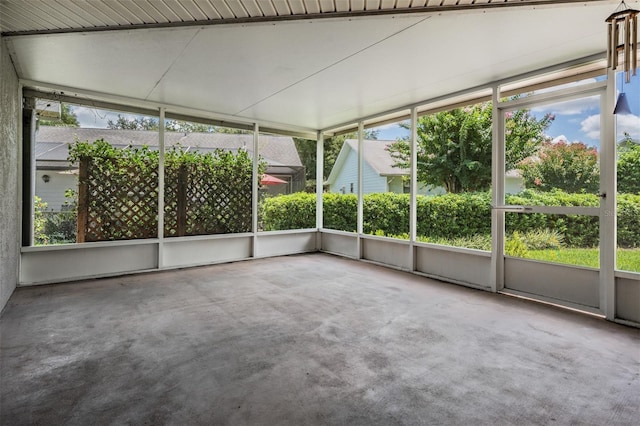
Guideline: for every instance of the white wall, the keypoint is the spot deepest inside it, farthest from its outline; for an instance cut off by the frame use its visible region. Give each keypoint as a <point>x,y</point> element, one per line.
<point>52,192</point>
<point>9,208</point>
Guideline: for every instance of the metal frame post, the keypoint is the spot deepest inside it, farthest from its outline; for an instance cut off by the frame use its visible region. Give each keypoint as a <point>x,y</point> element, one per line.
<point>608,215</point>
<point>319,187</point>
<point>161,151</point>
<point>254,188</point>
<point>413,204</point>
<point>360,187</point>
<point>497,194</point>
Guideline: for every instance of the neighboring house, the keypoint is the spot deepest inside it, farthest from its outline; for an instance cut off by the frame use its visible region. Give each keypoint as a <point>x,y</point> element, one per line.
<point>54,174</point>
<point>379,174</point>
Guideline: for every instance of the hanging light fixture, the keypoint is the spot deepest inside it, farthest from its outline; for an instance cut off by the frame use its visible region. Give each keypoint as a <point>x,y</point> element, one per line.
<point>622,41</point>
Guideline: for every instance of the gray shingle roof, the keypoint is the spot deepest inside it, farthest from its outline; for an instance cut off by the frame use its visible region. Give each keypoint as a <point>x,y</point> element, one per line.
<point>378,157</point>
<point>52,142</point>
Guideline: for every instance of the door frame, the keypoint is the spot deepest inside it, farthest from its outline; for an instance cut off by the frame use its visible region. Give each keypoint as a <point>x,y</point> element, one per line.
<point>605,211</point>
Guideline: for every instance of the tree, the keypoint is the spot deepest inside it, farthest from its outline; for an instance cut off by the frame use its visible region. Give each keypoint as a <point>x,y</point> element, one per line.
<point>67,118</point>
<point>454,147</point>
<point>138,123</point>
<point>629,169</point>
<point>188,127</point>
<point>149,123</point>
<point>571,167</point>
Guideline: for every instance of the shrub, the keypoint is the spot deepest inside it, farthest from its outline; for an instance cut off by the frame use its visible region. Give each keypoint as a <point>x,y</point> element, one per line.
<point>478,242</point>
<point>514,246</point>
<point>629,169</point>
<point>454,215</point>
<point>460,216</point>
<point>576,231</point>
<point>629,220</point>
<point>40,237</point>
<point>293,211</point>
<point>340,212</point>
<point>542,239</point>
<point>387,212</point>
<point>572,167</point>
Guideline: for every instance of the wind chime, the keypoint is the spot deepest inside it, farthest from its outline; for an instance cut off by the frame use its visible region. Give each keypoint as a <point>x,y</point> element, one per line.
<point>622,42</point>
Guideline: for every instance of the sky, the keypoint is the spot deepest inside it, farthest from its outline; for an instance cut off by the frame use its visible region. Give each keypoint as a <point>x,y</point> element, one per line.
<point>576,120</point>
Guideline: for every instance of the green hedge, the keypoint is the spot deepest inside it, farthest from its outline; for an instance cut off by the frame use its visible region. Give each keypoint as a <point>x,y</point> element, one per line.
<point>452,215</point>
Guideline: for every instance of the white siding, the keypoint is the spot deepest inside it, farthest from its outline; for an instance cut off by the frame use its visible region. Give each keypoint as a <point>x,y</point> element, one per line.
<point>52,192</point>
<point>348,174</point>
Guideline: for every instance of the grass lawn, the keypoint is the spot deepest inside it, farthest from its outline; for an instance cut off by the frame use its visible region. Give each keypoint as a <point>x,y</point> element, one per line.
<point>628,259</point>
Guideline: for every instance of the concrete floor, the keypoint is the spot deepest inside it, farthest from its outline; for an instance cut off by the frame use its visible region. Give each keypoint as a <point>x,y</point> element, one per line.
<point>310,339</point>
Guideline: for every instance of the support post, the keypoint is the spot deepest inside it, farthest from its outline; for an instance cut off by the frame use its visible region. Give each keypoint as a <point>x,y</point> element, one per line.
<point>413,204</point>
<point>254,188</point>
<point>161,151</point>
<point>608,215</point>
<point>497,194</point>
<point>359,225</point>
<point>319,187</point>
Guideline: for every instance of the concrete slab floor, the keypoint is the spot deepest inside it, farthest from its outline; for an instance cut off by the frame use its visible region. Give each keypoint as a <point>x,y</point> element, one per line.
<point>309,339</point>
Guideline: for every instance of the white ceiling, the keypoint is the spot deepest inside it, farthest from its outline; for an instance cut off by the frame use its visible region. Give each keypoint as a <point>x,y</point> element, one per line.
<point>315,73</point>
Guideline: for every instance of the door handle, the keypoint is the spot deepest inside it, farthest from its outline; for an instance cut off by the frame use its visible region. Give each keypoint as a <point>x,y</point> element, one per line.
<point>512,208</point>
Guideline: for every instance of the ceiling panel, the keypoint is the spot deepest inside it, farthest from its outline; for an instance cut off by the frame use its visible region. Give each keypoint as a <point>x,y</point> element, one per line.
<point>435,58</point>
<point>130,63</point>
<point>233,68</point>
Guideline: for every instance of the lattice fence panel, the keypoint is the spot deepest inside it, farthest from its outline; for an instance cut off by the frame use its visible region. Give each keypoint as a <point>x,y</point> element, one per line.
<point>116,203</point>
<point>207,200</point>
<point>119,201</point>
<point>171,188</point>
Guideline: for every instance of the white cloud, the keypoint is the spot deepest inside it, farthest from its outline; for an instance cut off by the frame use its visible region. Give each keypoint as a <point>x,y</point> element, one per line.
<point>629,123</point>
<point>572,107</point>
<point>591,126</point>
<point>97,118</point>
<point>625,123</point>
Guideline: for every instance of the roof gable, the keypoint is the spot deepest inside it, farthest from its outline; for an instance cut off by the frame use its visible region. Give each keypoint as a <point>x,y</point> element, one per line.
<point>376,155</point>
